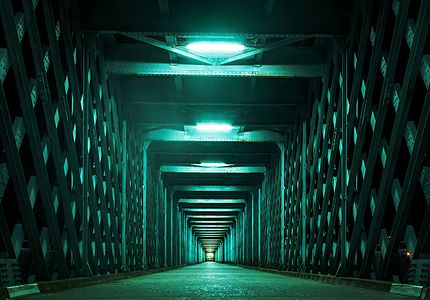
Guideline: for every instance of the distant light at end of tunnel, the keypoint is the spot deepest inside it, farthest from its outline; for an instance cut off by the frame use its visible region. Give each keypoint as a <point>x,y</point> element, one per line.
<point>215,47</point>
<point>214,127</point>
<point>210,255</point>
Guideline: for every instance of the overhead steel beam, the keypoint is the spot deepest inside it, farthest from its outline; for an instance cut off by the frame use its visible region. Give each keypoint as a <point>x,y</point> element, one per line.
<point>293,54</point>
<point>208,60</point>
<point>165,46</point>
<point>207,235</point>
<point>211,228</point>
<point>173,135</point>
<point>218,103</point>
<point>238,35</point>
<point>265,48</point>
<point>158,117</point>
<point>210,222</point>
<point>214,241</point>
<point>238,158</point>
<point>215,217</point>
<point>170,40</point>
<point>163,69</point>
<point>215,210</point>
<point>212,201</point>
<point>214,170</point>
<point>211,188</point>
<point>210,243</point>
<point>212,232</point>
<point>202,233</point>
<point>212,204</point>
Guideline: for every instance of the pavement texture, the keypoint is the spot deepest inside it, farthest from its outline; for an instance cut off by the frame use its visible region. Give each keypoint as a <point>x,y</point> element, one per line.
<point>216,281</point>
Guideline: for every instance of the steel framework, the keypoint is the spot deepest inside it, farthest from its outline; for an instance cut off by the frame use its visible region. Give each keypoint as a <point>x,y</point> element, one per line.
<point>346,193</point>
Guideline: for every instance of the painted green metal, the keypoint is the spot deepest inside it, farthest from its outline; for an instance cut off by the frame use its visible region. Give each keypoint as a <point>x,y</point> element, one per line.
<point>211,188</point>
<point>165,225</point>
<point>162,69</point>
<point>212,201</point>
<point>165,46</point>
<point>212,217</point>
<point>206,226</point>
<point>215,170</point>
<point>213,210</point>
<point>175,135</point>
<point>214,222</point>
<point>144,200</point>
<point>124,198</point>
<point>260,50</point>
<point>303,213</point>
<point>282,206</point>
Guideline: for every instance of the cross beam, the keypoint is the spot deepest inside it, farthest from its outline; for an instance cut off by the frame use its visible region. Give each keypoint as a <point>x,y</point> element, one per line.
<point>165,69</point>
<point>211,188</point>
<point>212,201</point>
<point>223,170</point>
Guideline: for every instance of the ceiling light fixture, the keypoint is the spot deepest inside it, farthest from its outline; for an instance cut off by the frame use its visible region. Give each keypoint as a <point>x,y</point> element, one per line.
<point>215,47</point>
<point>214,127</point>
<point>212,165</point>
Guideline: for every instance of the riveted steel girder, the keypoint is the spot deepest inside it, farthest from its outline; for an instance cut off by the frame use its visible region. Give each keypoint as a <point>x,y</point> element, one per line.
<point>163,69</point>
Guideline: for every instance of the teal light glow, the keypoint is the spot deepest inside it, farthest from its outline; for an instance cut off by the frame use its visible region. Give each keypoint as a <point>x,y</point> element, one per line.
<point>215,47</point>
<point>214,127</point>
<point>212,165</point>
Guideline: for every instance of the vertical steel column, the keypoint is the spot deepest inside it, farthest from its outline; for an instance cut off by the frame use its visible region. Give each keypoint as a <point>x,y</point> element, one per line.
<point>259,226</point>
<point>85,162</point>
<point>179,217</point>
<point>124,197</point>
<point>243,235</point>
<point>172,263</point>
<point>230,242</point>
<point>225,242</point>
<point>145,190</point>
<point>165,225</point>
<point>303,204</point>
<point>196,249</point>
<point>227,249</point>
<point>282,166</point>
<point>157,224</point>
<point>188,236</point>
<point>252,226</point>
<point>344,170</point>
<point>189,244</point>
<point>184,241</point>
<point>233,244</point>
<point>230,245</point>
<point>268,225</point>
<point>232,250</point>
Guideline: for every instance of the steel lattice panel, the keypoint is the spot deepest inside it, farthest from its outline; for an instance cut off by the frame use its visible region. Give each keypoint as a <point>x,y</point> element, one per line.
<point>387,141</point>
<point>43,170</point>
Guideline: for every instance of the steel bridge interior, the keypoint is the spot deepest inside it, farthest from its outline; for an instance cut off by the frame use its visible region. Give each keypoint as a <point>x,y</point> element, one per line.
<point>325,169</point>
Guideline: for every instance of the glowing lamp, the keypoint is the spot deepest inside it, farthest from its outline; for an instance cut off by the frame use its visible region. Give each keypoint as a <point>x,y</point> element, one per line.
<point>214,127</point>
<point>215,47</point>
